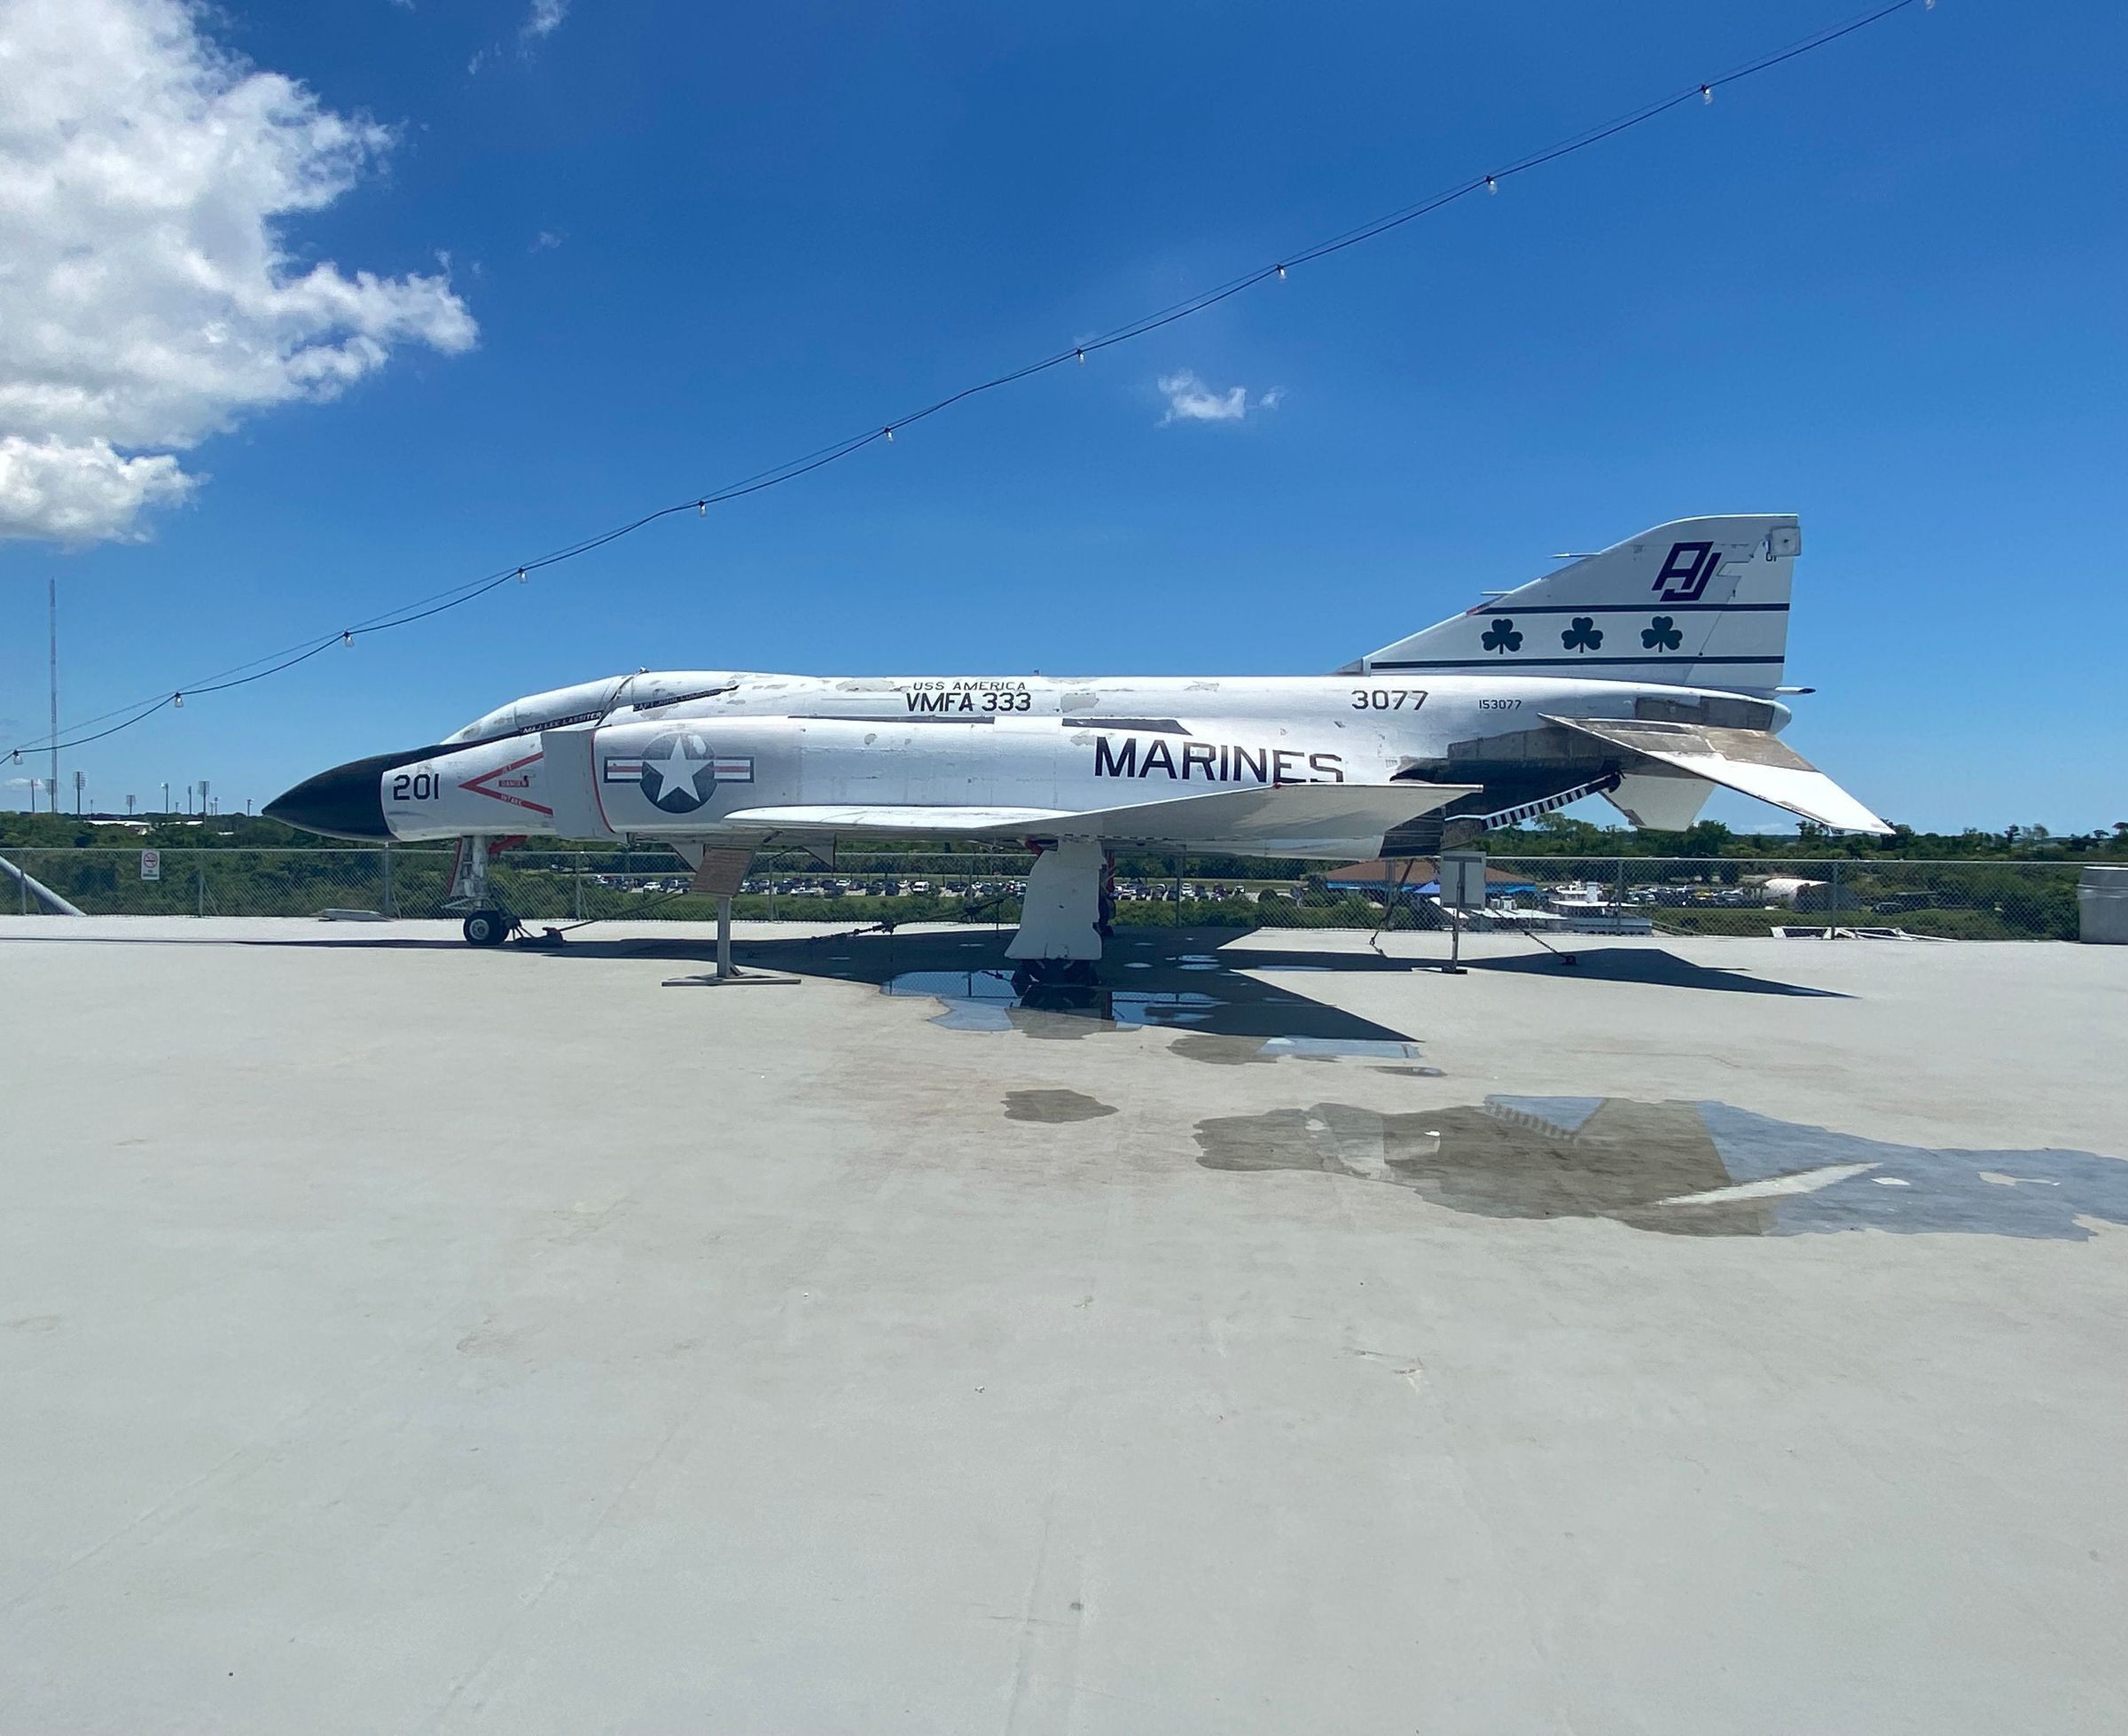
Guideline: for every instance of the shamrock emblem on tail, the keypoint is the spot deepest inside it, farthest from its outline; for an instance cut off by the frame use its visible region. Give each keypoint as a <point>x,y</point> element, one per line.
<point>1662,635</point>
<point>1584,635</point>
<point>1502,637</point>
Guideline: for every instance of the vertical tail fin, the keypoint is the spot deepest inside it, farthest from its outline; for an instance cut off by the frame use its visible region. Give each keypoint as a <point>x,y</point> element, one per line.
<point>1697,602</point>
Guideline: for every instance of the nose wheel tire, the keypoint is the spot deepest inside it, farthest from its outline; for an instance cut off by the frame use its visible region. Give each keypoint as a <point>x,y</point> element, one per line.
<point>487,928</point>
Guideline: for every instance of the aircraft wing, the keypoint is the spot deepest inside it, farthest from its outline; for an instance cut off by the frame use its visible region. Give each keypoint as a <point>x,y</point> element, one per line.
<point>1755,762</point>
<point>898,820</point>
<point>1286,819</point>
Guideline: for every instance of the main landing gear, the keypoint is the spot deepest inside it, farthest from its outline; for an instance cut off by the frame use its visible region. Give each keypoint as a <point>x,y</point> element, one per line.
<point>1054,973</point>
<point>1064,918</point>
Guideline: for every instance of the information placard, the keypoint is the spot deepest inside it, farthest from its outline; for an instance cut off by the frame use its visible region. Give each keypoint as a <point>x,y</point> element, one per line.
<point>1463,879</point>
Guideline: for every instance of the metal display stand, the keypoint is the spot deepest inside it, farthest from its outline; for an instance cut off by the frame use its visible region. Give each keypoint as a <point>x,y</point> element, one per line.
<point>1462,891</point>
<point>725,975</point>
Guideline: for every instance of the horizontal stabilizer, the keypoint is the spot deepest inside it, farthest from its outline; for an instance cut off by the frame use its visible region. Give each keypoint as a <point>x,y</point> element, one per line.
<point>1282,819</point>
<point>1754,762</point>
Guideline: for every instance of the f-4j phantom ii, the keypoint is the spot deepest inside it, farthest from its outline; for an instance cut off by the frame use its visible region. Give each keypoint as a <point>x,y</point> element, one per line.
<point>1647,673</point>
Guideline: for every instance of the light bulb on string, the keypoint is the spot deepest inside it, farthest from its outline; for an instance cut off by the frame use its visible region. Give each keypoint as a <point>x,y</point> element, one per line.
<point>790,473</point>
<point>345,637</point>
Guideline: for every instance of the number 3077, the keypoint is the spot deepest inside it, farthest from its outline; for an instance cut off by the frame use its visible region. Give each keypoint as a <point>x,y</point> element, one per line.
<point>1387,699</point>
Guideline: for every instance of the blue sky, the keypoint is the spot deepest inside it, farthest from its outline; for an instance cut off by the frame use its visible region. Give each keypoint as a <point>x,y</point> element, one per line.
<point>1879,287</point>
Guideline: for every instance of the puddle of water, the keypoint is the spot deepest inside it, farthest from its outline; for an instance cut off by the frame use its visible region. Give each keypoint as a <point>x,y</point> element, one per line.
<point>1219,1050</point>
<point>1249,1023</point>
<point>1178,982</point>
<point>1337,1048</point>
<point>1680,1169</point>
<point>992,1001</point>
<point>1054,1107</point>
<point>1222,1049</point>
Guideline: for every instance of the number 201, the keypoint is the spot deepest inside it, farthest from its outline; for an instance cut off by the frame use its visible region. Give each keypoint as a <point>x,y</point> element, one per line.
<point>418,787</point>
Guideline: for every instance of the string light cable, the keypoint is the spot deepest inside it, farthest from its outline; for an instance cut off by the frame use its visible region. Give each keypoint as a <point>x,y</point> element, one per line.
<point>406,615</point>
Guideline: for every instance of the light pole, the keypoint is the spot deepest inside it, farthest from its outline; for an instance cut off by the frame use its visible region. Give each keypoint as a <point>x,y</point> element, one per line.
<point>51,601</point>
<point>166,798</point>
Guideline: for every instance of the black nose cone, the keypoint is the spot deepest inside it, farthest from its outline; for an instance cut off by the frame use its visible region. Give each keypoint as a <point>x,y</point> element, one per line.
<point>347,801</point>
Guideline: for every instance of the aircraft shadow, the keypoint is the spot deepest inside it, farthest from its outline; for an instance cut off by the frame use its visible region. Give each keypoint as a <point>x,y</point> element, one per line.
<point>1147,967</point>
<point>1652,965</point>
<point>1174,980</point>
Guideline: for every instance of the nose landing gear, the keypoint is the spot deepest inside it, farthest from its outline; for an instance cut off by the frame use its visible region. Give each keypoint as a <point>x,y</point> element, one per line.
<point>489,927</point>
<point>485,925</point>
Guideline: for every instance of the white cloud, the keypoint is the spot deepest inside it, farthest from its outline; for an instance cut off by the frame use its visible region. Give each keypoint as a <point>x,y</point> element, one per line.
<point>81,491</point>
<point>546,17</point>
<point>1191,400</point>
<point>547,242</point>
<point>148,300</point>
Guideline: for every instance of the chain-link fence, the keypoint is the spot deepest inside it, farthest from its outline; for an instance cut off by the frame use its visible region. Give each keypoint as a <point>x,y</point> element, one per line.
<point>1976,900</point>
<point>1972,900</point>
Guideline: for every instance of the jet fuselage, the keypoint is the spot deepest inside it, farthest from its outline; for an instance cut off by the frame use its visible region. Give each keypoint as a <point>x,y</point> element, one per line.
<point>674,752</point>
<point>1648,672</point>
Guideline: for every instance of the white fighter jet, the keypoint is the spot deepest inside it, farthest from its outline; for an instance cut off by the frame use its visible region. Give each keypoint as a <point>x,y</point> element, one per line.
<point>1647,673</point>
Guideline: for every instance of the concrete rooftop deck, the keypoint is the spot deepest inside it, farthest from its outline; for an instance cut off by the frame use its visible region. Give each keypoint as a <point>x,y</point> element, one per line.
<point>1728,1336</point>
